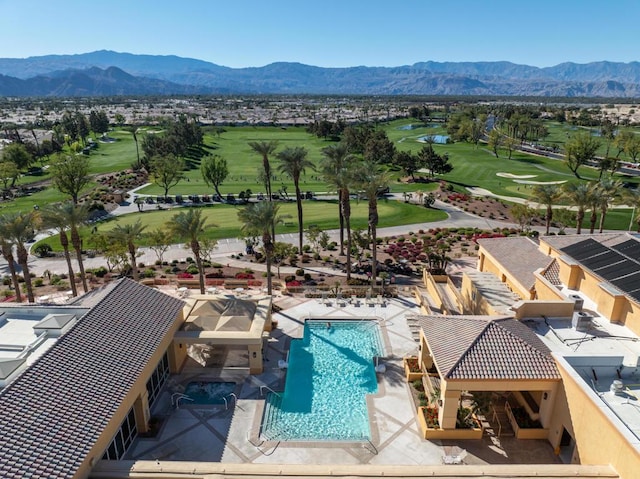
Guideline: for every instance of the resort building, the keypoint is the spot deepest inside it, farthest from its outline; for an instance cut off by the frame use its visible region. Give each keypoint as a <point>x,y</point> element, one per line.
<point>547,342</point>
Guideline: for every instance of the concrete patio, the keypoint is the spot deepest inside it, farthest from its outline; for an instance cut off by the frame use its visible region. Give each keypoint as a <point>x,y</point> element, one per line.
<point>203,433</point>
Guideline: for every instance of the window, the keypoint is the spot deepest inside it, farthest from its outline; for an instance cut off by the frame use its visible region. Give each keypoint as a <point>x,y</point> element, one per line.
<point>157,379</point>
<point>123,438</point>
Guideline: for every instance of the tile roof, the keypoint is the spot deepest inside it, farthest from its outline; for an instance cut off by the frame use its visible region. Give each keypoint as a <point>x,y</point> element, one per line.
<point>52,415</point>
<point>519,255</point>
<point>487,347</point>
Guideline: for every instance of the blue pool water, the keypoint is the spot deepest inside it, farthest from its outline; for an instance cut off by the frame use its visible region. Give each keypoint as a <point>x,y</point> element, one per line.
<point>331,370</point>
<point>208,392</point>
<point>439,139</point>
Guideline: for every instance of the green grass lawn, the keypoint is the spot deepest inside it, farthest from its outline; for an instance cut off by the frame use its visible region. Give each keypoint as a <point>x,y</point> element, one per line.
<point>324,214</point>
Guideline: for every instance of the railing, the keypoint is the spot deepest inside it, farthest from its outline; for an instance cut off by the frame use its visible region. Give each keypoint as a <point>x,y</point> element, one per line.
<point>372,448</point>
<point>264,386</point>
<point>497,419</point>
<point>175,401</point>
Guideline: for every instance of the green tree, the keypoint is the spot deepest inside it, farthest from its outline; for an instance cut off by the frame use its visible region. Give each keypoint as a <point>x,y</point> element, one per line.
<point>432,161</point>
<point>257,220</point>
<point>621,140</point>
<point>19,229</point>
<point>190,225</point>
<point>128,234</point>
<point>495,141</point>
<point>167,171</point>
<point>214,171</point>
<point>336,168</point>
<point>632,147</point>
<point>99,121</point>
<point>160,241</point>
<point>563,217</point>
<point>56,217</point>
<point>17,154</point>
<point>294,162</point>
<point>579,150</point>
<point>409,162</point>
<point>77,216</point>
<point>547,195</point>
<point>579,195</point>
<point>524,215</point>
<point>8,173</point>
<point>70,175</point>
<point>510,144</point>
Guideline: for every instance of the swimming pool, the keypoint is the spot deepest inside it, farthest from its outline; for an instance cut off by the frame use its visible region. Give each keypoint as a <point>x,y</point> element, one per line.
<point>331,370</point>
<point>208,392</point>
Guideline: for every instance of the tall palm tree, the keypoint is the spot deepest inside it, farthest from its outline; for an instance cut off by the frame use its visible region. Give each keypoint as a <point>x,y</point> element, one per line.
<point>336,168</point>
<point>190,225</point>
<point>134,132</point>
<point>632,198</point>
<point>19,228</point>
<point>595,198</point>
<point>77,216</point>
<point>129,234</point>
<point>264,149</point>
<point>56,217</point>
<point>294,162</point>
<point>6,248</point>
<point>579,194</point>
<point>610,190</point>
<point>547,195</point>
<point>257,219</point>
<point>371,179</point>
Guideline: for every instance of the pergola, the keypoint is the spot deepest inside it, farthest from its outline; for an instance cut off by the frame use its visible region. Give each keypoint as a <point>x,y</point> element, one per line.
<point>226,320</point>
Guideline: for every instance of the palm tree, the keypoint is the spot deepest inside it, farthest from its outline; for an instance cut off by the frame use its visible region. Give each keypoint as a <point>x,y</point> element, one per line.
<point>258,219</point>
<point>190,225</point>
<point>632,198</point>
<point>19,228</point>
<point>264,149</point>
<point>547,195</point>
<point>579,194</point>
<point>371,179</point>
<point>6,248</point>
<point>134,132</point>
<point>609,192</point>
<point>294,162</point>
<point>56,217</point>
<point>595,198</point>
<point>336,167</point>
<point>76,216</point>
<point>128,234</point>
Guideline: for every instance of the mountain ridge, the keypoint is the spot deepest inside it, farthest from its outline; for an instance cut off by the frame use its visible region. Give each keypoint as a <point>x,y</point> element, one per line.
<point>76,75</point>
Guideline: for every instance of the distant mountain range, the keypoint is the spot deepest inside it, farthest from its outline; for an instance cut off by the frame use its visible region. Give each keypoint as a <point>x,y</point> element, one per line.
<point>107,73</point>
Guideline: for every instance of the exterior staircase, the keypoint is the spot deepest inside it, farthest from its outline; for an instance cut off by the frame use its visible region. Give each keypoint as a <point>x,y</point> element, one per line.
<point>497,423</point>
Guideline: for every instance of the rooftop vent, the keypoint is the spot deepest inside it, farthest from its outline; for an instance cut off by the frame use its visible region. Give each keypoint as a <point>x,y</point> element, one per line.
<point>617,387</point>
<point>578,302</point>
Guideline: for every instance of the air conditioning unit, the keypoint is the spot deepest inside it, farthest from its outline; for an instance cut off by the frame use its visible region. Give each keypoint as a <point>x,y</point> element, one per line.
<point>581,321</point>
<point>578,302</point>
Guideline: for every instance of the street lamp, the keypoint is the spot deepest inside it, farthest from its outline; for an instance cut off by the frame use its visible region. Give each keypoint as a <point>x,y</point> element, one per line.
<point>633,215</point>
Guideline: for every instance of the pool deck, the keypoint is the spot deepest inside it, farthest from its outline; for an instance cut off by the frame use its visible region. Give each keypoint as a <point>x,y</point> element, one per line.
<point>215,434</point>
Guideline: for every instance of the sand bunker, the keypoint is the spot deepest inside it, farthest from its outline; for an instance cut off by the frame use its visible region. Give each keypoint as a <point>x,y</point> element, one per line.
<point>509,175</point>
<point>529,182</point>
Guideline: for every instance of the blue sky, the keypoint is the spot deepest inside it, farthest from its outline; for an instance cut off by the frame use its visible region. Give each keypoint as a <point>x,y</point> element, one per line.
<point>328,33</point>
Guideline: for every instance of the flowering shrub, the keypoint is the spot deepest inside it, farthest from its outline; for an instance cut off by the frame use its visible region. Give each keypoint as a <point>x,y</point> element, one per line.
<point>431,416</point>
<point>458,197</point>
<point>184,275</point>
<point>293,284</point>
<point>243,275</point>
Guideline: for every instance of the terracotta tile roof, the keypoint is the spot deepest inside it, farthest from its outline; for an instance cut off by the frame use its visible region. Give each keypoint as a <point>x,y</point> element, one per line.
<point>487,347</point>
<point>519,255</point>
<point>52,415</point>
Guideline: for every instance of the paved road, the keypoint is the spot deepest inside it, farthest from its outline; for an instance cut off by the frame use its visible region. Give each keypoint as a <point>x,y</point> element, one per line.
<point>227,247</point>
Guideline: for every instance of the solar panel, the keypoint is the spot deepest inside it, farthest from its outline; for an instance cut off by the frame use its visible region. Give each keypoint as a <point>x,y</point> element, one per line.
<point>603,260</point>
<point>617,270</point>
<point>584,249</point>
<point>628,283</point>
<point>630,248</point>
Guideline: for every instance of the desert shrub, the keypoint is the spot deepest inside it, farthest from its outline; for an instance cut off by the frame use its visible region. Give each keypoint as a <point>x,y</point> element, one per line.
<point>300,272</point>
<point>192,269</point>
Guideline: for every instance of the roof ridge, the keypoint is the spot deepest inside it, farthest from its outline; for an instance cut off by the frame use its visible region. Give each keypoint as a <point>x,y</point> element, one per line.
<point>465,353</point>
<point>544,354</point>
